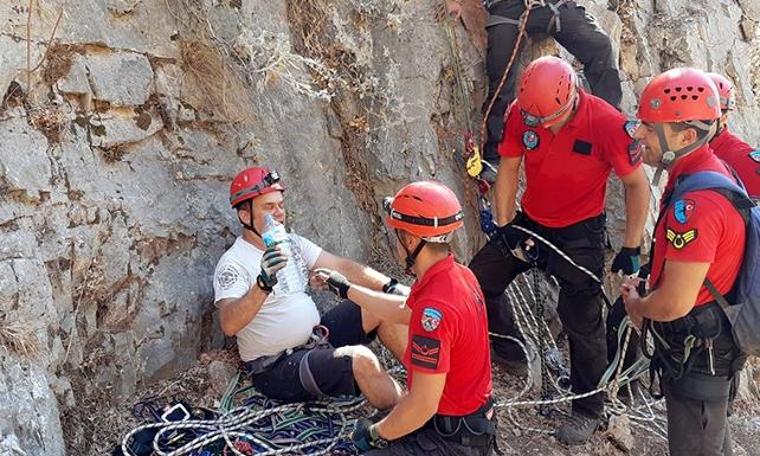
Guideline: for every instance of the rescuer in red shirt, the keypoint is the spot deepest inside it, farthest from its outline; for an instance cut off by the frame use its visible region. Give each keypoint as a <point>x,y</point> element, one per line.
<point>448,408</point>
<point>699,236</point>
<point>569,141</point>
<point>743,158</point>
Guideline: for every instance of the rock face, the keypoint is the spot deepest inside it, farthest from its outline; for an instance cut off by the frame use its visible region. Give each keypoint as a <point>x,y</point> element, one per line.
<point>29,423</point>
<point>117,152</point>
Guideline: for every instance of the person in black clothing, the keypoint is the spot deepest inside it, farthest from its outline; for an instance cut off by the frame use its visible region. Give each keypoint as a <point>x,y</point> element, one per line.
<point>569,23</point>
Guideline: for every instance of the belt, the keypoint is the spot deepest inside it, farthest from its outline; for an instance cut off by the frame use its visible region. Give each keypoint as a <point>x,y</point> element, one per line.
<point>319,338</point>
<point>476,429</point>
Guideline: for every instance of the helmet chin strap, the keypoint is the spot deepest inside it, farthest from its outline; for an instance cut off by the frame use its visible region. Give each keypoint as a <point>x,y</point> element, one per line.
<point>249,226</point>
<point>670,156</point>
<point>411,257</point>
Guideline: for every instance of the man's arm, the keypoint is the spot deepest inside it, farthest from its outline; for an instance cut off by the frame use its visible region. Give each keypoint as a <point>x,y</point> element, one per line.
<point>236,313</point>
<point>356,273</point>
<point>674,298</point>
<point>415,408</point>
<point>388,307</point>
<point>637,196</point>
<point>505,189</point>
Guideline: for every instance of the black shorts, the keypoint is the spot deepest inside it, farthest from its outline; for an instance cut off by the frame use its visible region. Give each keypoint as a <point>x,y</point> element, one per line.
<point>332,375</point>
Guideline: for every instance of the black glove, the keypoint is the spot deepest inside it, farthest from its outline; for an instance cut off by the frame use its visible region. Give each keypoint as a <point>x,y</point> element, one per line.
<point>365,437</point>
<point>273,260</point>
<point>627,260</point>
<point>336,282</point>
<point>395,288</point>
<point>513,240</point>
<point>511,236</point>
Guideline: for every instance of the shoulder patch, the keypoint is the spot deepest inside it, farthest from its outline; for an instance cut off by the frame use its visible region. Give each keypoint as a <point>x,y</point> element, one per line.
<point>682,210</point>
<point>680,240</point>
<point>426,352</point>
<point>635,152</point>
<point>530,139</point>
<point>630,127</point>
<point>755,155</point>
<point>227,277</point>
<point>431,318</point>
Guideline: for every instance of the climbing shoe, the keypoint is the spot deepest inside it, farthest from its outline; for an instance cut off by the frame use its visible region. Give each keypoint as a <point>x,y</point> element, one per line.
<point>577,429</point>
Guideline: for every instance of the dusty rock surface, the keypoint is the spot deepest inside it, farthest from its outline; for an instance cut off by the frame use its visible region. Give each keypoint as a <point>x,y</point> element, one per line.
<point>123,121</point>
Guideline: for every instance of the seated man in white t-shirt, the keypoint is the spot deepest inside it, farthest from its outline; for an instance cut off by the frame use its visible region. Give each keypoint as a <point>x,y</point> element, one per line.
<point>274,329</point>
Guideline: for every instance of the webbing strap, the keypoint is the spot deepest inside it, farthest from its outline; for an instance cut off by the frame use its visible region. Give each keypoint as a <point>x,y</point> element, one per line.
<point>719,298</point>
<point>307,379</point>
<point>495,19</point>
<point>555,21</point>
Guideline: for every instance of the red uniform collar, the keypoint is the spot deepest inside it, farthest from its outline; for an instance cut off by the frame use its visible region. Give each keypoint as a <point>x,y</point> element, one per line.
<point>441,266</point>
<point>720,138</point>
<point>695,161</point>
<point>578,118</point>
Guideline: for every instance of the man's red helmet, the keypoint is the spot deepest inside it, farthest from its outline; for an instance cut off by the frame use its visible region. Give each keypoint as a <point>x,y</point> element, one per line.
<point>679,95</point>
<point>547,91</point>
<point>427,209</point>
<point>725,91</point>
<point>253,182</point>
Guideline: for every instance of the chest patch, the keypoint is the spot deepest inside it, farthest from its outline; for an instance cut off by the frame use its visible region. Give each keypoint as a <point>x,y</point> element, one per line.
<point>682,210</point>
<point>755,155</point>
<point>680,240</point>
<point>635,152</point>
<point>582,147</point>
<point>431,318</point>
<point>530,139</point>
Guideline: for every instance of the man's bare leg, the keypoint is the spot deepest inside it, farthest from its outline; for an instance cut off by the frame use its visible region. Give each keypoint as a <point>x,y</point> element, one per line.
<point>380,389</point>
<point>393,336</point>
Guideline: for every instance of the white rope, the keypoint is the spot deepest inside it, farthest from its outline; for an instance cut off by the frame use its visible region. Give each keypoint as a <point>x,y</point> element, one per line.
<point>230,424</point>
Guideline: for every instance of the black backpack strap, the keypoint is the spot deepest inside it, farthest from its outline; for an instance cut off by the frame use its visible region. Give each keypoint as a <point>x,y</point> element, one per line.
<point>719,298</point>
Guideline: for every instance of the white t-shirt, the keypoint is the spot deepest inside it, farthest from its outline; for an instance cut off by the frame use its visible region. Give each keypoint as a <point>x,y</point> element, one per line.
<point>284,321</point>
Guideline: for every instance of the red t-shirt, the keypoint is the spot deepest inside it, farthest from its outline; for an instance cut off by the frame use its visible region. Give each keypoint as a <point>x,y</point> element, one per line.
<point>448,334</point>
<point>741,157</point>
<point>567,172</point>
<point>701,227</point>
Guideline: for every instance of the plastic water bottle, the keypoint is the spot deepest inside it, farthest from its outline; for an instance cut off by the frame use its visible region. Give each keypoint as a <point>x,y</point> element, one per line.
<point>292,278</point>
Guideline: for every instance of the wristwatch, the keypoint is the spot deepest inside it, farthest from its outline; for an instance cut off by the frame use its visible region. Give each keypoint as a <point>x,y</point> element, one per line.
<point>374,437</point>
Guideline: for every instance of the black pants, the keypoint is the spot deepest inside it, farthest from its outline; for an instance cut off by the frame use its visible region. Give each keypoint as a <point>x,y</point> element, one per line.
<point>614,320</point>
<point>580,301</point>
<point>433,440</point>
<point>331,375</point>
<point>697,399</point>
<point>579,34</point>
<point>697,427</point>
<point>427,442</point>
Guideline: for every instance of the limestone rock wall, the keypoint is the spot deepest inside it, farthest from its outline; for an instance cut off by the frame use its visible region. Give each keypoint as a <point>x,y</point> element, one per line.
<point>118,139</point>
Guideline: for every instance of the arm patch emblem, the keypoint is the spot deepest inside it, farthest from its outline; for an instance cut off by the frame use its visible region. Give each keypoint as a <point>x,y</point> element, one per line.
<point>680,240</point>
<point>426,352</point>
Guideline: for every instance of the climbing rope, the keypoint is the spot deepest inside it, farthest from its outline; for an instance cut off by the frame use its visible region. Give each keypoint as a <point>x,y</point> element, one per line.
<point>258,427</point>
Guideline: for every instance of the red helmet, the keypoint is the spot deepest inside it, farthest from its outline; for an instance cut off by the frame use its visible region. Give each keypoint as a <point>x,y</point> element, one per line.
<point>253,182</point>
<point>679,95</point>
<point>547,90</point>
<point>725,90</point>
<point>427,209</point>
